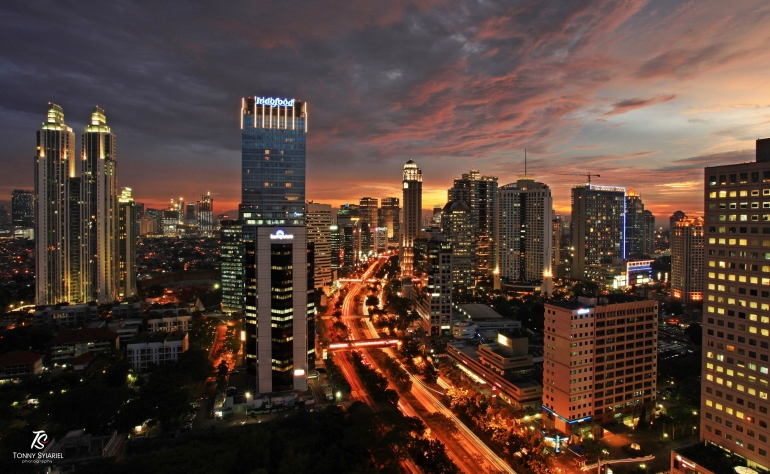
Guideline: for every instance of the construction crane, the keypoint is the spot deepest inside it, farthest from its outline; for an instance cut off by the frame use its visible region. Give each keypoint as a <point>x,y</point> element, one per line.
<point>587,175</point>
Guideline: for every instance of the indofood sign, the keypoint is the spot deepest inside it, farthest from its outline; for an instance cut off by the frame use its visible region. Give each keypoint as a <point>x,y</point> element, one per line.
<point>280,235</point>
<point>272,102</point>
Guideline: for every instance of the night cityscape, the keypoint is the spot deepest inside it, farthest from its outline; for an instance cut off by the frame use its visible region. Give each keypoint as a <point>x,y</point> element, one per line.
<point>525,237</point>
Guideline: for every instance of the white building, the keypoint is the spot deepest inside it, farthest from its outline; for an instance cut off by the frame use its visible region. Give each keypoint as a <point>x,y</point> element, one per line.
<point>170,324</point>
<point>156,348</point>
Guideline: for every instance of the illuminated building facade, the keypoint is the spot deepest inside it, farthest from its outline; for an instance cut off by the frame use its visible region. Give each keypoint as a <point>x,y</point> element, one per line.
<point>649,233</point>
<point>525,231</point>
<point>99,215</point>
<point>433,294</point>
<point>54,168</point>
<point>205,215</point>
<point>410,227</point>
<point>736,308</point>
<point>23,208</point>
<point>390,217</point>
<point>687,259</point>
<point>600,362</point>
<point>598,226</point>
<point>459,232</point>
<point>231,253</point>
<point>635,230</point>
<point>480,194</point>
<point>126,244</point>
<point>335,246</point>
<point>278,286</point>
<point>319,233</point>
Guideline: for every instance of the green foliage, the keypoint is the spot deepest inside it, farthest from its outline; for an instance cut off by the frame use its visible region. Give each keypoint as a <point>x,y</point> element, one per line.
<point>392,369</point>
<point>336,378</point>
<point>376,384</point>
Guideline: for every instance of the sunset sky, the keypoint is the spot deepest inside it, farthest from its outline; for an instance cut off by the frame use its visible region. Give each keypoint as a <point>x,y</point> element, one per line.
<point>644,93</point>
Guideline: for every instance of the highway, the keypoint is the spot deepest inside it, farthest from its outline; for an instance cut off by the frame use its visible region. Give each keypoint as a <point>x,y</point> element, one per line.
<point>474,455</point>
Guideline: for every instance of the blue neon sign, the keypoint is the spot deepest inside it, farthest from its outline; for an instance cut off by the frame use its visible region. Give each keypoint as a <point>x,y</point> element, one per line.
<point>272,102</point>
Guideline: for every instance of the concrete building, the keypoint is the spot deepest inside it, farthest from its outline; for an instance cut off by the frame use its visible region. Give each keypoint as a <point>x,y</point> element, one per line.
<point>231,253</point>
<point>487,321</point>
<point>206,223</point>
<point>433,293</point>
<point>157,348</point>
<point>410,224</point>
<point>598,226</point>
<point>675,217</point>
<point>20,365</point>
<point>649,233</point>
<point>459,231</point>
<point>127,329</point>
<point>170,324</point>
<point>335,245</point>
<point>23,208</point>
<point>525,234</point>
<point>600,363</point>
<point>736,309</point>
<point>148,226</point>
<point>277,258</point>
<point>72,343</point>
<point>390,217</point>
<point>505,364</point>
<point>480,194</point>
<point>635,224</point>
<point>687,259</point>
<point>126,245</point>
<point>67,315</point>
<point>319,222</point>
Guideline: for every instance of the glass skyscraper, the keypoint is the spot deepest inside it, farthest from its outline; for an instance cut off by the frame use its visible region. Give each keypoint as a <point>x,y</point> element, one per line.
<point>278,282</point>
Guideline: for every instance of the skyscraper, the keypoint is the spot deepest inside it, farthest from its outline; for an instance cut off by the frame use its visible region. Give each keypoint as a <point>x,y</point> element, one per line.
<point>649,233</point>
<point>54,167</point>
<point>126,244</point>
<point>389,217</point>
<point>23,208</point>
<point>687,260</point>
<point>480,193</point>
<point>410,227</point>
<point>206,215</point>
<point>674,218</point>
<point>99,215</point>
<point>635,230</point>
<point>525,231</point>
<point>598,226</point>
<point>367,210</point>
<point>459,232</point>
<point>736,309</point>
<point>433,300</point>
<point>231,251</point>
<point>319,222</point>
<point>278,307</point>
<point>335,244</point>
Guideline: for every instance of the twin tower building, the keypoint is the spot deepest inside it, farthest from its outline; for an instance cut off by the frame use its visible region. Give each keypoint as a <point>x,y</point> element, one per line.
<point>85,246</point>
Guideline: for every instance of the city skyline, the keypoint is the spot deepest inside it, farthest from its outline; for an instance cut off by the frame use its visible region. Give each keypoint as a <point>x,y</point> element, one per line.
<point>618,89</point>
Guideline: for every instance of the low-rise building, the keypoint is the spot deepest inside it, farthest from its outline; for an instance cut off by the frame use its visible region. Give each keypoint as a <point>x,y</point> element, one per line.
<point>156,348</point>
<point>709,458</point>
<point>505,365</point>
<point>127,329</point>
<point>488,322</point>
<point>78,448</point>
<point>67,315</point>
<point>71,343</point>
<point>127,310</point>
<point>170,324</point>
<point>464,329</point>
<point>20,364</point>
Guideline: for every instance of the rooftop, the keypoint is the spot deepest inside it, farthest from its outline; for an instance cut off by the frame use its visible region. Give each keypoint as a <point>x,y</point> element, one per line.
<point>478,311</point>
<point>19,358</point>
<point>711,457</point>
<point>73,336</point>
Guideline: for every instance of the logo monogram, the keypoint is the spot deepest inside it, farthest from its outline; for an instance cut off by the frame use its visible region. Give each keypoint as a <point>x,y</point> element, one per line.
<point>41,439</point>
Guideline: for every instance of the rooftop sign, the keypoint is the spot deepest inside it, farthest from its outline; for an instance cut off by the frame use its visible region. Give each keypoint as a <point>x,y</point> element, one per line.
<point>280,235</point>
<point>272,102</point>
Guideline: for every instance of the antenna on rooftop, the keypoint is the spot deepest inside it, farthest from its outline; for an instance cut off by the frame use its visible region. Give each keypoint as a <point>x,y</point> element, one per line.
<point>525,161</point>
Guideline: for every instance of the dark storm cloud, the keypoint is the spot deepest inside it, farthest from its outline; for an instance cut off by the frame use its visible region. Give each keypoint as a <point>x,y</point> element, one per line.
<point>455,84</point>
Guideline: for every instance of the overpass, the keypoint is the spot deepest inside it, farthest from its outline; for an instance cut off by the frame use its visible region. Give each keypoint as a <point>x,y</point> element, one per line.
<point>362,344</point>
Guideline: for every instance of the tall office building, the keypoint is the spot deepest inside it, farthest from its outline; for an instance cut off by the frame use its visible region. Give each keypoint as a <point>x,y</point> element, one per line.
<point>99,215</point>
<point>480,193</point>
<point>598,226</point>
<point>600,362</point>
<point>126,244</point>
<point>5,217</point>
<point>676,216</point>
<point>347,214</point>
<point>319,222</point>
<point>525,231</point>
<point>410,225</point>
<point>335,245</point>
<point>736,309</point>
<point>649,233</point>
<point>206,222</point>
<point>635,230</point>
<point>350,242</point>
<point>687,260</point>
<point>459,232</point>
<point>54,168</point>
<point>191,213</point>
<point>390,217</point>
<point>433,297</point>
<point>278,300</point>
<point>231,251</point>
<point>367,210</point>
<point>23,208</point>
